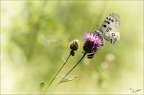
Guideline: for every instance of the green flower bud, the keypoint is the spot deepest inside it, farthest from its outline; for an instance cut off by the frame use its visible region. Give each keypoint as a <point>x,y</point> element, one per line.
<point>74,45</point>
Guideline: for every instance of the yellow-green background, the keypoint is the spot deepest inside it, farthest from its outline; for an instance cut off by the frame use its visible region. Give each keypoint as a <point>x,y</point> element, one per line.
<point>35,37</point>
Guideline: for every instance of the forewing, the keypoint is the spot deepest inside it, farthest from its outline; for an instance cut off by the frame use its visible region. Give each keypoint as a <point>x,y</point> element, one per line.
<point>109,28</point>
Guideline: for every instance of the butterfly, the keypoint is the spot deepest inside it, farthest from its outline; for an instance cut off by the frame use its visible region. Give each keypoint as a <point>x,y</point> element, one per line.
<point>108,30</point>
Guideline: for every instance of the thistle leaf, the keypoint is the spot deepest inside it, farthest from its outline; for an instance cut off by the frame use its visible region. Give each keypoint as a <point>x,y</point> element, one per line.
<point>67,80</point>
<point>41,86</point>
<point>63,59</point>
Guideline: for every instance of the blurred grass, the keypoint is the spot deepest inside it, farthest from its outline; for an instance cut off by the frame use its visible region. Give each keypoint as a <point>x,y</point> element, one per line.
<point>35,36</point>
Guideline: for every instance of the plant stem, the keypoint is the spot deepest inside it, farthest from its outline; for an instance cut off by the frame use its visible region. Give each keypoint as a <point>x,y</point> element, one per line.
<point>72,68</point>
<point>57,72</point>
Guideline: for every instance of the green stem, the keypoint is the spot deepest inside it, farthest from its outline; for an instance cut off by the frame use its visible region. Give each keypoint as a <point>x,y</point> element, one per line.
<point>72,68</point>
<point>58,72</point>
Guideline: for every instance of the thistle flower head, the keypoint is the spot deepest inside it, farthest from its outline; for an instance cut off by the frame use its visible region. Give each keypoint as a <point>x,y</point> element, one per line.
<point>74,45</point>
<point>92,42</point>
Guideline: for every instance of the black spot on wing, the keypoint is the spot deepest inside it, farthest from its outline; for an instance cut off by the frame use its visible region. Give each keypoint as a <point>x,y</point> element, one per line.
<point>110,28</point>
<point>104,26</point>
<point>107,22</point>
<point>110,19</point>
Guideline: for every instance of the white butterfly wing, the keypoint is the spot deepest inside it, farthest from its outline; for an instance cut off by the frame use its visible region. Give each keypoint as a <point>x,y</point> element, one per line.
<point>115,20</point>
<point>109,28</point>
<point>112,37</point>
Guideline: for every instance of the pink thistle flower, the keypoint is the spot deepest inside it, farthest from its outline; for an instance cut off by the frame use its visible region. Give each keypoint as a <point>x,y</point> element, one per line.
<point>92,42</point>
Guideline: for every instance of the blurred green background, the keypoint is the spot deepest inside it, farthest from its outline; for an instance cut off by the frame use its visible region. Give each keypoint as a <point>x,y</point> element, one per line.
<point>35,36</point>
